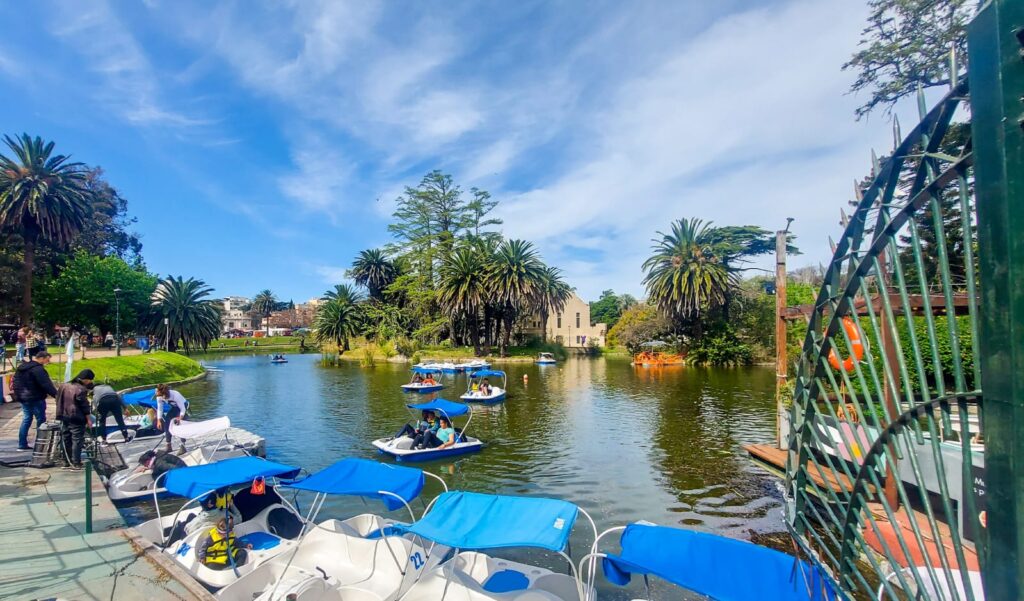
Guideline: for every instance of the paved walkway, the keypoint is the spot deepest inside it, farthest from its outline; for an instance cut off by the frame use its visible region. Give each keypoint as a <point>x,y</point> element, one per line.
<point>45,552</point>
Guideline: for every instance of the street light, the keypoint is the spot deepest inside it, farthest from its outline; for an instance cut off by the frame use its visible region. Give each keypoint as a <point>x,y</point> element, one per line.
<point>117,321</point>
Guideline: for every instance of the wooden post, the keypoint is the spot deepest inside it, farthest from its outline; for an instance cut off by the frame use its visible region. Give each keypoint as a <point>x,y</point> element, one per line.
<point>780,333</point>
<point>892,359</point>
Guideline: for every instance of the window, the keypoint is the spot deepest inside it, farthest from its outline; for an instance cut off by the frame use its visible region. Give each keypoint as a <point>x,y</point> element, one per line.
<point>559,326</point>
<point>231,325</point>
<point>577,340</point>
<point>577,320</point>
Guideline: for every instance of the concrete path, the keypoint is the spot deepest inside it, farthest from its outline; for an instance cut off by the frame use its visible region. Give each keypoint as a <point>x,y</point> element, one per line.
<point>46,554</point>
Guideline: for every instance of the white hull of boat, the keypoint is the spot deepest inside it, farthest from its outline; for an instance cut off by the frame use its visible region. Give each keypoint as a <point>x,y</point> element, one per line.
<point>472,576</point>
<point>126,485</point>
<point>401,448</point>
<point>497,395</point>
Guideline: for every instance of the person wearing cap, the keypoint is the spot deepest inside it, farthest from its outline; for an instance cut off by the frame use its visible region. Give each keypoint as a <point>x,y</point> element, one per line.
<point>73,412</point>
<point>30,387</point>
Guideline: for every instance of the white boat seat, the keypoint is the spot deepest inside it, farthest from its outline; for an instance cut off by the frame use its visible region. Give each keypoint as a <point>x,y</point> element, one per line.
<point>506,581</point>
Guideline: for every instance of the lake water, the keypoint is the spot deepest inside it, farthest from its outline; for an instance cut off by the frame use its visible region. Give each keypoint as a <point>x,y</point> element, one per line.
<point>624,443</point>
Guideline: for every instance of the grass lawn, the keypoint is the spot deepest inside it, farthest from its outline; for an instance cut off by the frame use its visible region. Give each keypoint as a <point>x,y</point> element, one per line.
<point>133,370</point>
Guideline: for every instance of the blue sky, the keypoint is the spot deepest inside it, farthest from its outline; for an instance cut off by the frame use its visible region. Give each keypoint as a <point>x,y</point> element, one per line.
<point>261,145</point>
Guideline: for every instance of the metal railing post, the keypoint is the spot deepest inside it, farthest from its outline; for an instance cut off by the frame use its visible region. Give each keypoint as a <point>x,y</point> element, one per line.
<point>995,42</point>
<point>88,496</point>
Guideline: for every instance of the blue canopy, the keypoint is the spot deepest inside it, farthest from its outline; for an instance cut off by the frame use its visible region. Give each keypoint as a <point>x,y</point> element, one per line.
<point>192,481</point>
<point>146,398</point>
<point>426,370</point>
<point>365,478</point>
<point>483,373</point>
<point>718,567</point>
<point>449,408</point>
<point>469,520</point>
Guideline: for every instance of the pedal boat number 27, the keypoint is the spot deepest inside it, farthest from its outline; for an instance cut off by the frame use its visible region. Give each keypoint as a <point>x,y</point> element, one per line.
<point>401,447</point>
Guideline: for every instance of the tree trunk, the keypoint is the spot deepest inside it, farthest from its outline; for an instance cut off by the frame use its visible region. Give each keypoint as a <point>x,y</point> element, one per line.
<point>474,333</point>
<point>30,264</point>
<point>507,334</point>
<point>544,324</point>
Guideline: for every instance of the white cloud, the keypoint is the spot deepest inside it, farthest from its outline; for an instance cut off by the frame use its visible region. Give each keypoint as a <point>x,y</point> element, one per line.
<point>746,123</point>
<point>127,79</point>
<point>330,274</point>
<point>321,178</point>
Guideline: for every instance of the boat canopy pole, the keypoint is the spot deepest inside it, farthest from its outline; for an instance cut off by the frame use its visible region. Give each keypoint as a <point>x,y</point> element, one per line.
<point>438,478</point>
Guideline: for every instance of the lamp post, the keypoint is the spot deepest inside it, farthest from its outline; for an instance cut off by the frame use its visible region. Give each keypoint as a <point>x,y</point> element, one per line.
<point>167,336</point>
<point>117,321</point>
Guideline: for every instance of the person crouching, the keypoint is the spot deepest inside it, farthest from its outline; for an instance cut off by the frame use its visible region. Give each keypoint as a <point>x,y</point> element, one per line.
<point>73,413</point>
<point>218,550</point>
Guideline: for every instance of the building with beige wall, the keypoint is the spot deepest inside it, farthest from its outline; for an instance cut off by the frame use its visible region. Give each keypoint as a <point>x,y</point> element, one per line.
<point>571,326</point>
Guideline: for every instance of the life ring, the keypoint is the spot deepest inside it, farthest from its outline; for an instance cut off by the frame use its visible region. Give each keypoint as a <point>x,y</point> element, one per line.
<point>853,333</point>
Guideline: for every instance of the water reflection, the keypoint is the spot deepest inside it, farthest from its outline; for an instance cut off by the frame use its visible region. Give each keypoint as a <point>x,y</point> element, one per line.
<point>625,443</point>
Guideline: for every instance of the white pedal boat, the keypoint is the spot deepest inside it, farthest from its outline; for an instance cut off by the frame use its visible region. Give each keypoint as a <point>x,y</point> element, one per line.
<point>424,387</point>
<point>710,565</point>
<point>268,523</point>
<point>401,447</point>
<point>129,485</point>
<point>137,403</point>
<point>497,393</point>
<point>353,559</point>
<point>465,520</point>
<point>546,359</point>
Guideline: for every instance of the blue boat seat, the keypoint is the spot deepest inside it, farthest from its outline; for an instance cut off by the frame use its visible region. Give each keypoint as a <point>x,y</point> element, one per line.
<point>506,581</point>
<point>259,540</point>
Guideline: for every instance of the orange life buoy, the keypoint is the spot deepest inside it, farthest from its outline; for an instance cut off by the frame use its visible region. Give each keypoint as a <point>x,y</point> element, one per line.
<point>853,333</point>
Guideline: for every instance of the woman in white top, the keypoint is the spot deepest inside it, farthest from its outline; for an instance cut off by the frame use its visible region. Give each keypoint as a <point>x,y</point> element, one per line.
<point>176,407</point>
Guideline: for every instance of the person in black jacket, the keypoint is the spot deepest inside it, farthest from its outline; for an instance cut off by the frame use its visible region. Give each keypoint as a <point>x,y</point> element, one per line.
<point>31,385</point>
<point>73,413</point>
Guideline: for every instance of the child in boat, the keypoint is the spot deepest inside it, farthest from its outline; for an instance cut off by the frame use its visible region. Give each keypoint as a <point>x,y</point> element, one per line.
<point>429,381</point>
<point>429,421</point>
<point>485,388</point>
<point>214,547</point>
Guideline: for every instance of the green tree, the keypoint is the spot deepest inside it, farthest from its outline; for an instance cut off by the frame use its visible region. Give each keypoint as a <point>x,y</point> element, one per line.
<point>907,44</point>
<point>639,324</point>
<point>338,320</point>
<point>263,304</point>
<point>608,308</point>
<point>193,319</point>
<point>477,211</point>
<point>42,197</point>
<point>685,277</point>
<point>550,294</point>
<point>346,292</point>
<point>514,275</point>
<point>372,269</point>
<point>463,290</point>
<point>83,294</point>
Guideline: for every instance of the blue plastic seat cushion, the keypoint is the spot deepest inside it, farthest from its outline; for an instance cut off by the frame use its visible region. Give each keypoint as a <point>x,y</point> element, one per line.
<point>259,540</point>
<point>505,581</point>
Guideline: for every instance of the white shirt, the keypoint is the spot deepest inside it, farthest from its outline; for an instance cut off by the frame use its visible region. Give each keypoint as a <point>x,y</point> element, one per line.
<point>175,398</point>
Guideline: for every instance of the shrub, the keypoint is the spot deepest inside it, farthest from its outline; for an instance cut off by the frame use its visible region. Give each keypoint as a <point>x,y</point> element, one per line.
<point>369,358</point>
<point>387,349</point>
<point>407,346</point>
<point>721,347</point>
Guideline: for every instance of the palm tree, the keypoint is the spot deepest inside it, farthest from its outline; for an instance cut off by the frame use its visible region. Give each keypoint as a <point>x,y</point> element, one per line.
<point>191,317</point>
<point>336,321</point>
<point>263,304</point>
<point>343,292</point>
<point>462,289</point>
<point>42,196</point>
<point>684,275</point>
<point>551,294</point>
<point>513,277</point>
<point>373,270</point>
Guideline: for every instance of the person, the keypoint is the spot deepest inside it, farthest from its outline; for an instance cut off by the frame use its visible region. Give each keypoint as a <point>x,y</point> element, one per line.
<point>31,344</point>
<point>73,414</point>
<point>426,431</point>
<point>429,380</point>
<point>475,386</point>
<point>213,506</point>
<point>108,340</point>
<point>108,402</point>
<point>20,346</point>
<point>217,548</point>
<point>159,462</point>
<point>427,421</point>
<point>176,407</point>
<point>442,439</point>
<point>417,379</point>
<point>147,424</point>
<point>30,387</point>
<point>485,388</point>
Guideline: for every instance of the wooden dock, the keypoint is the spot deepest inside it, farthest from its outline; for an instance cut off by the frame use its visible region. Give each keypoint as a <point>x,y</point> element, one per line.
<point>774,460</point>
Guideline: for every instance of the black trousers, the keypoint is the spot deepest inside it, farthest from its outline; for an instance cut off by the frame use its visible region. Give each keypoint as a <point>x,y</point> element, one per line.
<point>111,407</point>
<point>172,413</point>
<point>72,433</point>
